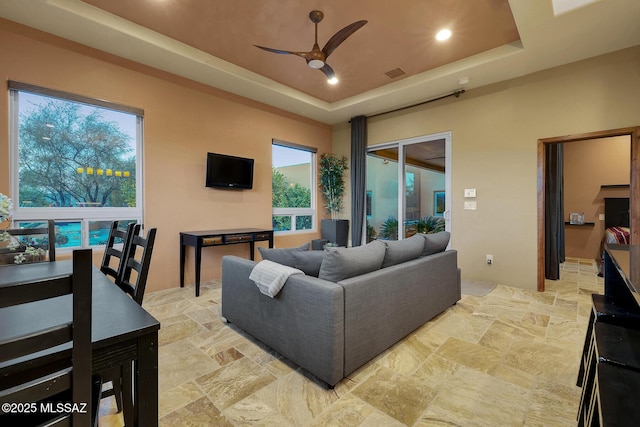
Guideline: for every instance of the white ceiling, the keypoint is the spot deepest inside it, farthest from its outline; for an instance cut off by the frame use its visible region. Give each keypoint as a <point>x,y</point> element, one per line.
<point>545,41</point>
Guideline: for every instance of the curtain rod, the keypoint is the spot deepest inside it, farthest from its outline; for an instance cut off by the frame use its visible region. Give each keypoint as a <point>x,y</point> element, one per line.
<point>456,93</point>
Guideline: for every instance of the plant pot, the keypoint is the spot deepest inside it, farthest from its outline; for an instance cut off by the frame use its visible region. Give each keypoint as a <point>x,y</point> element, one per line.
<point>336,231</point>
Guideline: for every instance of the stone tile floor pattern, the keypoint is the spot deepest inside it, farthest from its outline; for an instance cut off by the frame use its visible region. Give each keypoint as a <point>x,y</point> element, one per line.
<point>509,358</point>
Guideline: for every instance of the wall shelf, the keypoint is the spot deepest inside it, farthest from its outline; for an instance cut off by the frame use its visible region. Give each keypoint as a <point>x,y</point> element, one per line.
<point>586,224</point>
<point>615,186</point>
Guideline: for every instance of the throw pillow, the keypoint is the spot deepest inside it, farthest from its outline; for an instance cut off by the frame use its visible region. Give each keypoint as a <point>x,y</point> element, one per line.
<point>308,261</point>
<point>282,256</point>
<point>399,251</point>
<point>436,242</point>
<point>342,263</point>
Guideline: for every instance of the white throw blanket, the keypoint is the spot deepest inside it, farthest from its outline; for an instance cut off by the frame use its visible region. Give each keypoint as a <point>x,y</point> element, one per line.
<point>270,276</point>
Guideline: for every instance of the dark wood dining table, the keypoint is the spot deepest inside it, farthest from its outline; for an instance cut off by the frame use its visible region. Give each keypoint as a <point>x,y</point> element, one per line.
<point>121,330</point>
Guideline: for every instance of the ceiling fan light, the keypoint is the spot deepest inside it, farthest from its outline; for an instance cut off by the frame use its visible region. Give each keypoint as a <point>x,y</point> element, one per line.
<point>316,64</point>
<point>332,80</point>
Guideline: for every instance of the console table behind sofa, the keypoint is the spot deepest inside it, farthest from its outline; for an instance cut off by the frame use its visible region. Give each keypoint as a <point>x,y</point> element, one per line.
<point>200,239</point>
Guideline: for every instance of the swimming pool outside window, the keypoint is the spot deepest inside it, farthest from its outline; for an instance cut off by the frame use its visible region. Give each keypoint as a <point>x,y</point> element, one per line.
<point>75,160</point>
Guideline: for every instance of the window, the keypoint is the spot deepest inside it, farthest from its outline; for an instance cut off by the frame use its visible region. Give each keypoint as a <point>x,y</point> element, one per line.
<point>75,160</point>
<point>293,181</point>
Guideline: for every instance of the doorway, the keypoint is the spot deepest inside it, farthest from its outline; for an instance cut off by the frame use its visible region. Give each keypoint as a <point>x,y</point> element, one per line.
<point>634,201</point>
<point>408,185</point>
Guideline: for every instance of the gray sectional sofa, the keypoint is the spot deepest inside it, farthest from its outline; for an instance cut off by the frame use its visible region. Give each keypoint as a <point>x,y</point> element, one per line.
<point>365,299</point>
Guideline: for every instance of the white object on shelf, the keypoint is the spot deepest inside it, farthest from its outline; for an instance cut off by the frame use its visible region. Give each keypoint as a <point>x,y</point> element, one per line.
<point>576,218</point>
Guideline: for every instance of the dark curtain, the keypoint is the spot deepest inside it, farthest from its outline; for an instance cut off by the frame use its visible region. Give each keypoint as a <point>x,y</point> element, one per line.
<point>358,177</point>
<point>554,211</point>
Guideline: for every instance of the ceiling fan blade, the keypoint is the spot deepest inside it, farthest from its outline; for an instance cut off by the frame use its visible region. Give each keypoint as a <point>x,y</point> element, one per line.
<point>304,55</point>
<point>328,71</point>
<point>341,36</point>
<point>268,49</point>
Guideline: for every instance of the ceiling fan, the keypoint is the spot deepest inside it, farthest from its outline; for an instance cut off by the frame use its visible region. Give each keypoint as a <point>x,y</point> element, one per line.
<point>317,58</point>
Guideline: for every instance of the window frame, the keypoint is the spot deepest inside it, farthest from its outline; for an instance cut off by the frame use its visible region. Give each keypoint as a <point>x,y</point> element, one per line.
<point>295,212</point>
<point>84,215</point>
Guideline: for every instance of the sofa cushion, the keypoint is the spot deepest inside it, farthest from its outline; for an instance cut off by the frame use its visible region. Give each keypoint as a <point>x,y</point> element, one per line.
<point>342,263</point>
<point>436,242</point>
<point>282,256</point>
<point>308,261</point>
<point>399,251</point>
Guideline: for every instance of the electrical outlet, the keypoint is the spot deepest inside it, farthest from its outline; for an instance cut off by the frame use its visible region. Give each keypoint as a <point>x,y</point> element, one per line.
<point>489,259</point>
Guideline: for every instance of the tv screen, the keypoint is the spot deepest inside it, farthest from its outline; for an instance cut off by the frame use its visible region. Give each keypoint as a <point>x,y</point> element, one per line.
<point>229,171</point>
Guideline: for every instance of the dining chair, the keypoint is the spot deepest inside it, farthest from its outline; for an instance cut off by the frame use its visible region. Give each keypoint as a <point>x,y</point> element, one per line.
<point>134,285</point>
<point>112,251</point>
<point>116,235</point>
<point>27,237</point>
<point>33,372</point>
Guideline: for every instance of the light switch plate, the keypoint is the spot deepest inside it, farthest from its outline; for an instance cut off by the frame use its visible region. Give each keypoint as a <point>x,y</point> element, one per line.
<point>469,192</point>
<point>470,206</point>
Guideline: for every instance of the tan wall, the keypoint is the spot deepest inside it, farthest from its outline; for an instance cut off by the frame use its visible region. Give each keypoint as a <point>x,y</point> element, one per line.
<point>587,166</point>
<point>495,130</point>
<point>183,121</point>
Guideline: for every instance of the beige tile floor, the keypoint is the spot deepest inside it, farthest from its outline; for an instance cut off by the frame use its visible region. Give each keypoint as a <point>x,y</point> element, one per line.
<point>509,358</point>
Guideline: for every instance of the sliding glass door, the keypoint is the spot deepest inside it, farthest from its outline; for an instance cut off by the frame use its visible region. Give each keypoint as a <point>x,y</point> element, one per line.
<point>407,187</point>
<point>382,194</point>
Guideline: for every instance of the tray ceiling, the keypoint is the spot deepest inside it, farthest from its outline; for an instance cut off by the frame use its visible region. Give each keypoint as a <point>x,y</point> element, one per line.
<point>211,41</point>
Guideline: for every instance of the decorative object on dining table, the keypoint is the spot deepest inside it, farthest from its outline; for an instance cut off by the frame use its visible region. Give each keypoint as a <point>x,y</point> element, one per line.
<point>576,218</point>
<point>21,250</point>
<point>5,207</point>
<point>30,253</point>
<point>25,250</point>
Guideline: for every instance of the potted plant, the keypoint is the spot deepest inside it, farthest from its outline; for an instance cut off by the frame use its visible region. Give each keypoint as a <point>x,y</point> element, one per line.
<point>430,224</point>
<point>372,234</point>
<point>331,181</point>
<point>389,228</point>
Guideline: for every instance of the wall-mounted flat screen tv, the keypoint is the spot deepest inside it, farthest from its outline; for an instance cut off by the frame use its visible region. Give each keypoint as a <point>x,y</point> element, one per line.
<point>225,171</point>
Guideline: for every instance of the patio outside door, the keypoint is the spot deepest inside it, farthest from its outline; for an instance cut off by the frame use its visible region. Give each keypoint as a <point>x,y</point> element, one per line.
<point>407,187</point>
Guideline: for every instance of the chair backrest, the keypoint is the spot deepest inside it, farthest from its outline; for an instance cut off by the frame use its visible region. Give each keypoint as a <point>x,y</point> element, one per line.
<point>111,251</point>
<point>29,376</point>
<point>25,237</point>
<point>136,287</point>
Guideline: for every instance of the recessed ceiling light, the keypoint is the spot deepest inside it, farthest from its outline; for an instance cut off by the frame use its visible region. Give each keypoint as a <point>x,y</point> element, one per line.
<point>332,80</point>
<point>443,35</point>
